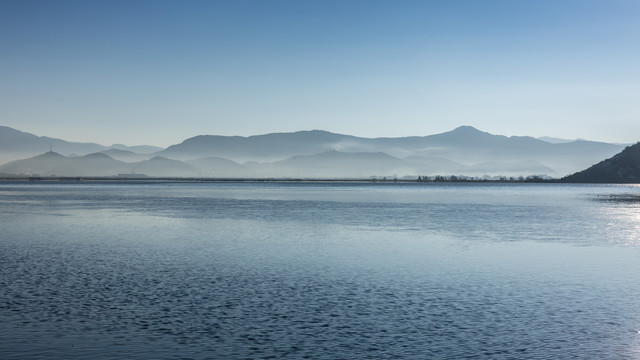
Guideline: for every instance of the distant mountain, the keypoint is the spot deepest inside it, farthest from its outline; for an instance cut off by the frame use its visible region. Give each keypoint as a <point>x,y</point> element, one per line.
<point>218,167</point>
<point>269,147</point>
<point>96,164</point>
<point>126,155</point>
<point>436,165</point>
<point>621,168</point>
<point>336,164</point>
<point>462,151</point>
<point>554,140</point>
<point>464,145</point>
<point>15,144</point>
<point>161,166</point>
<point>138,149</point>
<point>55,164</point>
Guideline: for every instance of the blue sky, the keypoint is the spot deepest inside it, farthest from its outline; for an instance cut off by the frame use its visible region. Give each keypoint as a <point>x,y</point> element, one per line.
<point>157,72</point>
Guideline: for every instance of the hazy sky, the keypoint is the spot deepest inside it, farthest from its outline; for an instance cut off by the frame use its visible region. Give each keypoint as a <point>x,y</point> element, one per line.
<point>157,72</point>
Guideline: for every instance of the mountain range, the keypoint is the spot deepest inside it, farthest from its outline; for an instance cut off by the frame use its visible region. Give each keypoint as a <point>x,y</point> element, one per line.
<point>464,145</point>
<point>308,154</point>
<point>15,144</point>
<point>97,164</point>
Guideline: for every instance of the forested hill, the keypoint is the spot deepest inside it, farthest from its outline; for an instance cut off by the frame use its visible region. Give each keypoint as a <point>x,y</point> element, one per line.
<point>622,168</point>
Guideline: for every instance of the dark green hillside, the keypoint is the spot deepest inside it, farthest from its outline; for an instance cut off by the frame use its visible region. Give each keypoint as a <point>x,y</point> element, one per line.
<point>623,168</point>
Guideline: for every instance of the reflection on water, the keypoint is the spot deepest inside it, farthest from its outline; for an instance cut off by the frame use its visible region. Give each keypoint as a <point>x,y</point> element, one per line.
<point>318,271</point>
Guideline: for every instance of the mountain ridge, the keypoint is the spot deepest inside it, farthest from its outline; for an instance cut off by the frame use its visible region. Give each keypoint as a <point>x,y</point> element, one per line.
<point>463,149</point>
<point>16,144</point>
<point>329,164</point>
<point>464,144</point>
<point>96,164</point>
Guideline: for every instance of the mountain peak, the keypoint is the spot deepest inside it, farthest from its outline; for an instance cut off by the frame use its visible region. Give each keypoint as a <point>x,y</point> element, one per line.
<point>50,155</point>
<point>469,131</point>
<point>466,129</point>
<point>467,135</point>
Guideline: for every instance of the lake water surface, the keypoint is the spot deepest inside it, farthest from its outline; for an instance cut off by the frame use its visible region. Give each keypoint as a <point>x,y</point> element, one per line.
<point>319,271</point>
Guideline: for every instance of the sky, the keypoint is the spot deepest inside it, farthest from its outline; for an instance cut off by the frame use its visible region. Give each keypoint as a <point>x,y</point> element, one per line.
<point>158,72</point>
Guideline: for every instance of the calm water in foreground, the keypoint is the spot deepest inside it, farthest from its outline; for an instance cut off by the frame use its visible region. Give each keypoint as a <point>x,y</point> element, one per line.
<point>319,271</point>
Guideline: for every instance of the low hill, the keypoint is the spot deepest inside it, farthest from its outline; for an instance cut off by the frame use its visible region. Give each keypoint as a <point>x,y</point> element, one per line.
<point>623,168</point>
<point>126,155</point>
<point>96,164</point>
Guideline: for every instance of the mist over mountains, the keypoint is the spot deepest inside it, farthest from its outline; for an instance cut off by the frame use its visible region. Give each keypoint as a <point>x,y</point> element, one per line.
<point>15,144</point>
<point>307,154</point>
<point>465,145</point>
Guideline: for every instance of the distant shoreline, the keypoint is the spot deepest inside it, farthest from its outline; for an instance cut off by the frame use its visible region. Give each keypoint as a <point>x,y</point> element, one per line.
<point>256,180</point>
<point>115,179</point>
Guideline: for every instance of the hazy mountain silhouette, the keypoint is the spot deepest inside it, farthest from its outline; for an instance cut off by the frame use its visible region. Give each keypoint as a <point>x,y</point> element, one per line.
<point>96,164</point>
<point>336,164</point>
<point>45,163</point>
<point>436,165</point>
<point>138,149</point>
<point>161,166</point>
<point>218,167</point>
<point>433,166</point>
<point>464,145</point>
<point>269,147</point>
<point>555,140</point>
<point>126,155</point>
<point>55,164</point>
<point>15,144</point>
<point>462,151</point>
<point>624,167</point>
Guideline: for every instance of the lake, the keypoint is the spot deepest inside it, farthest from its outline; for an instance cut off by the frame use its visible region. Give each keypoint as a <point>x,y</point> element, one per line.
<point>170,270</point>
